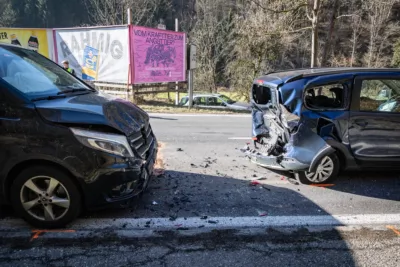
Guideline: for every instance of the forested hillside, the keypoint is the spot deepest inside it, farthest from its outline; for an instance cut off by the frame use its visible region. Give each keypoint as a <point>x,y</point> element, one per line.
<point>240,39</point>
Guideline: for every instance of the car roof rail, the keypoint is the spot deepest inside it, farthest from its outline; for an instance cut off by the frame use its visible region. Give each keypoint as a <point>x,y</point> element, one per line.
<point>339,71</point>
<point>287,70</point>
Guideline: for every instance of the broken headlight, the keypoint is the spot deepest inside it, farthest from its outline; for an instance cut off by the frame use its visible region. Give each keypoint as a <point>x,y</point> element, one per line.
<point>111,143</point>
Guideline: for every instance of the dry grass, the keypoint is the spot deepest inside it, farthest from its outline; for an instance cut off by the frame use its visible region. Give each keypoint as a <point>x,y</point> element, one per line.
<point>169,108</point>
<point>164,96</point>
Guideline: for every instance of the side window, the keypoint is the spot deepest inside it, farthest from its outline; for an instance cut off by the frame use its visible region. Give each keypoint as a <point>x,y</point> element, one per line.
<point>324,97</point>
<point>220,102</point>
<point>200,101</point>
<point>213,101</point>
<point>380,95</point>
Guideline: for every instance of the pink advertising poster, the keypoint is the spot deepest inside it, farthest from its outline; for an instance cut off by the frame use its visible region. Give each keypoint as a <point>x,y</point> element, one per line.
<point>158,55</point>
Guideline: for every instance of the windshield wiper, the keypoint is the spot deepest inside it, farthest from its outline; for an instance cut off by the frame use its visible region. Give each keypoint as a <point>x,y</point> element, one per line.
<point>50,97</point>
<point>73,90</point>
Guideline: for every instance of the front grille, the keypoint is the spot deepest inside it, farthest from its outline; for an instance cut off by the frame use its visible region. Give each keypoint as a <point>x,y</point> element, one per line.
<point>142,141</point>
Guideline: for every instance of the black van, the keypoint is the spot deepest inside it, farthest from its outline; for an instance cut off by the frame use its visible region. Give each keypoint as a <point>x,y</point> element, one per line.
<point>64,146</point>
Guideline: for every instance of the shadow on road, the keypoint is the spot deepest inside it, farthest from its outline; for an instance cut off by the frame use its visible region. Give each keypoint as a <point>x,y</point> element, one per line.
<point>380,185</point>
<point>183,194</point>
<point>5,211</point>
<point>374,184</point>
<point>162,118</point>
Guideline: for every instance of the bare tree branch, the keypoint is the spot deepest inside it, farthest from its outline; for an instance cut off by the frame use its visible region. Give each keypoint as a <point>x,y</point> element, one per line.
<point>348,15</point>
<point>278,11</point>
<point>308,14</point>
<point>283,32</point>
<point>113,12</point>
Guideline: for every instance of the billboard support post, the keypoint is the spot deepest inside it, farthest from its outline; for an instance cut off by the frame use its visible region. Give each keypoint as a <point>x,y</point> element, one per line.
<point>176,87</point>
<point>129,17</point>
<point>129,11</point>
<point>127,84</point>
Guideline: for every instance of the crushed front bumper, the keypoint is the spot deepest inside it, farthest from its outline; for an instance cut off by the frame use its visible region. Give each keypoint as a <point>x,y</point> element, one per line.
<point>119,186</point>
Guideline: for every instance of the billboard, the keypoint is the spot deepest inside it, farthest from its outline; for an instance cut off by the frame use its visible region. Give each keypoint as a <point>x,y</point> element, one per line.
<point>157,55</point>
<point>39,40</point>
<point>95,53</point>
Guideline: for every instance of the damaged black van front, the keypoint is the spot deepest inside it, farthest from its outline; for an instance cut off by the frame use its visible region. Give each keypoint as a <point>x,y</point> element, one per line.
<point>64,146</point>
<point>299,123</point>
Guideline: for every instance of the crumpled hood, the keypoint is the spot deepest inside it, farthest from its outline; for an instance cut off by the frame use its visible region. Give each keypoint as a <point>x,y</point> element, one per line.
<point>95,108</point>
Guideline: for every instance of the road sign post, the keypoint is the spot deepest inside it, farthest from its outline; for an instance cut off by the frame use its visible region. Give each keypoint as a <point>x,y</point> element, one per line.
<point>192,64</point>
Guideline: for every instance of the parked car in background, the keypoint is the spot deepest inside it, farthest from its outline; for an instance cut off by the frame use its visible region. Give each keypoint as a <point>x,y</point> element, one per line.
<point>218,101</point>
<point>64,146</point>
<point>316,122</point>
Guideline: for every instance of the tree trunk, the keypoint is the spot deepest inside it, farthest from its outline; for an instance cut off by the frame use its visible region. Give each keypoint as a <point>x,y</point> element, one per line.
<point>353,49</point>
<point>314,35</point>
<point>331,26</point>
<point>371,46</point>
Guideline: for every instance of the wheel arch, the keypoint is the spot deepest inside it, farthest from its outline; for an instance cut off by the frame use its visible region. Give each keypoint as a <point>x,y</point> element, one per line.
<point>346,158</point>
<point>20,166</point>
<point>327,150</point>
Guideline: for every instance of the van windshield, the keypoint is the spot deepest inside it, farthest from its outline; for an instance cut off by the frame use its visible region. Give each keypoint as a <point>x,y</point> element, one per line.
<point>34,75</point>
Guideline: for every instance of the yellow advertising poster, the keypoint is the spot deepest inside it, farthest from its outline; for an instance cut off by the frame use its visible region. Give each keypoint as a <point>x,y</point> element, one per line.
<point>35,39</point>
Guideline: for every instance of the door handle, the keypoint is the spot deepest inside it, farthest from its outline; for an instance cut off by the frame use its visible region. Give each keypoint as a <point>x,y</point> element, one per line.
<point>361,123</point>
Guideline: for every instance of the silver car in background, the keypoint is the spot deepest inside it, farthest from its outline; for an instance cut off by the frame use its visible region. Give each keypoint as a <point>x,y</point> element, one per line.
<point>217,101</point>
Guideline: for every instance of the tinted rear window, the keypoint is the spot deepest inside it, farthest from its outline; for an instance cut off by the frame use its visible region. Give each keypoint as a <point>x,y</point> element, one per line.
<point>263,95</point>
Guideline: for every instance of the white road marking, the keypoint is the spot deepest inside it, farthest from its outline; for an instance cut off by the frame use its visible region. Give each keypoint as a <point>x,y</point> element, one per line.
<point>221,222</point>
<point>239,138</point>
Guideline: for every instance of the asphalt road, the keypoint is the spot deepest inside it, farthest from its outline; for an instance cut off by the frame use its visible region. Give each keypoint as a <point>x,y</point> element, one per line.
<point>206,176</point>
<point>359,247</point>
<point>210,176</point>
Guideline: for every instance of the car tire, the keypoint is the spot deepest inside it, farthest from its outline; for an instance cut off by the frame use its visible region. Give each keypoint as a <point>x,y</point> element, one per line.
<point>46,197</point>
<point>327,171</point>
